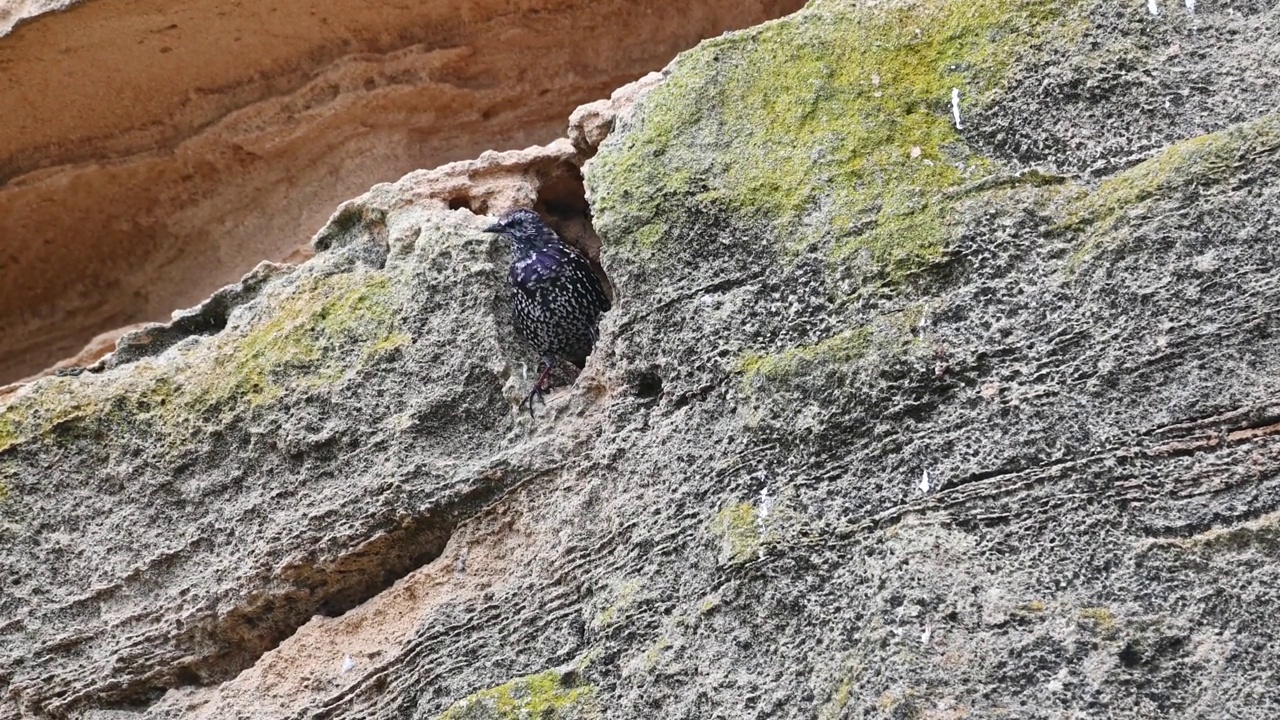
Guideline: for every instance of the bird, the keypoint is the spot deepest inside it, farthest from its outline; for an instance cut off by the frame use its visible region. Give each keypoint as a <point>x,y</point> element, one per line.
<point>556,298</point>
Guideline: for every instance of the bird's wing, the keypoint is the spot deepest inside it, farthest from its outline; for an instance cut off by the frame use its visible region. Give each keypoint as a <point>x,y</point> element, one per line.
<point>536,272</point>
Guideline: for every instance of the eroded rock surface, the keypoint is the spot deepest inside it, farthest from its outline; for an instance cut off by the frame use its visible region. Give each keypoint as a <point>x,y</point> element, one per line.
<point>151,152</point>
<point>890,418</point>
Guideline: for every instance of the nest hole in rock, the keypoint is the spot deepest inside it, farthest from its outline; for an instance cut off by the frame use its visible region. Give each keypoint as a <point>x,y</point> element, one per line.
<point>562,202</point>
<point>466,202</point>
<point>646,385</point>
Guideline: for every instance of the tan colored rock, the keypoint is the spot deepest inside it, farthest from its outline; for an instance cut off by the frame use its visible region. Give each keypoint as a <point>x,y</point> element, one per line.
<point>548,178</point>
<point>92,352</point>
<point>151,152</point>
<point>330,655</point>
<point>590,124</point>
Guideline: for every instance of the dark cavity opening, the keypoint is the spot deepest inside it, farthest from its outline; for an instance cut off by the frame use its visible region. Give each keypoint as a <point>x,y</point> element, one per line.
<point>562,202</point>
<point>463,203</point>
<point>647,385</point>
<point>1130,656</point>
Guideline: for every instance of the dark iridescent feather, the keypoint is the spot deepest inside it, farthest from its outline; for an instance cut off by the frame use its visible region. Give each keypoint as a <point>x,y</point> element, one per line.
<point>556,298</point>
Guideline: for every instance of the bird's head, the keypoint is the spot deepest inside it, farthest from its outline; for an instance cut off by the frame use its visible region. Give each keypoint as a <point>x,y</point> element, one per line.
<point>522,227</point>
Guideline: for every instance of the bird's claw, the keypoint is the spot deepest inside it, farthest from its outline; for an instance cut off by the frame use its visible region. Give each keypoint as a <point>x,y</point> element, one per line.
<point>536,392</point>
<point>541,385</point>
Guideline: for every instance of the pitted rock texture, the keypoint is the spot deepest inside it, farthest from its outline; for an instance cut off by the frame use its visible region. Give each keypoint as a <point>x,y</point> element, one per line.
<point>884,423</point>
<point>151,152</point>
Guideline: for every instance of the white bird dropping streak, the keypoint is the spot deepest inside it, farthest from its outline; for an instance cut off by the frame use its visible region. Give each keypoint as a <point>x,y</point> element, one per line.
<point>1153,7</point>
<point>766,505</point>
<point>955,106</point>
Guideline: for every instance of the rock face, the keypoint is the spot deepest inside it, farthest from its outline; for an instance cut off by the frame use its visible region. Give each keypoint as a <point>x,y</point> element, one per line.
<point>890,418</point>
<point>151,152</point>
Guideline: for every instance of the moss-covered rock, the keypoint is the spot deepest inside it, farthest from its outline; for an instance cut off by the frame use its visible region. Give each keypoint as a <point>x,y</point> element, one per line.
<point>1175,176</point>
<point>739,529</point>
<point>306,336</point>
<point>236,405</point>
<point>550,695</point>
<point>823,151</point>
<point>834,126</point>
<point>880,339</point>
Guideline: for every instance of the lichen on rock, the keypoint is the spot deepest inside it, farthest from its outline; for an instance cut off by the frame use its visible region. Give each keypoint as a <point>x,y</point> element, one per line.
<point>266,388</point>
<point>1177,174</point>
<point>739,529</point>
<point>824,140</point>
<point>546,696</point>
<point>832,125</point>
<point>306,335</point>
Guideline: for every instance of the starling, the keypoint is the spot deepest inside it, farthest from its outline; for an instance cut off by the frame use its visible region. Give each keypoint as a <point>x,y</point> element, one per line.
<point>556,299</point>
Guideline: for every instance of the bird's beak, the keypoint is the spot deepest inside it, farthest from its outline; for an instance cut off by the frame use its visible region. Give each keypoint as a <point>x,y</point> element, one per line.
<point>494,228</point>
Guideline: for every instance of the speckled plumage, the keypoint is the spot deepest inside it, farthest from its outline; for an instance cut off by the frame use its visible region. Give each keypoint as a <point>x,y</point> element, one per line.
<point>556,299</point>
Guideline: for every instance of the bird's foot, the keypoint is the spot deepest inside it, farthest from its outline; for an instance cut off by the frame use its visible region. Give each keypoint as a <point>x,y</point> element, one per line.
<point>540,386</point>
<point>536,392</point>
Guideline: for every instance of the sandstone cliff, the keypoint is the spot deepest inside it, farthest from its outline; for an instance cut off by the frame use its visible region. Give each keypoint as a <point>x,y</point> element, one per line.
<point>941,383</point>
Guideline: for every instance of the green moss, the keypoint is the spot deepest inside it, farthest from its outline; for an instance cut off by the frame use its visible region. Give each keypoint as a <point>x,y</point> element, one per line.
<point>57,403</point>
<point>845,347</point>
<point>1099,619</point>
<point>625,596</point>
<point>738,527</point>
<point>653,655</point>
<point>891,336</point>
<point>834,707</point>
<point>544,696</point>
<point>1188,166</point>
<point>311,337</point>
<point>589,658</point>
<point>1261,534</point>
<point>314,333</point>
<point>835,120</point>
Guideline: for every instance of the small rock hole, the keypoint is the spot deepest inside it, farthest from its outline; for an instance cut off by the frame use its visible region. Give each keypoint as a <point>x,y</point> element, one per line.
<point>1130,656</point>
<point>647,385</point>
<point>187,676</point>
